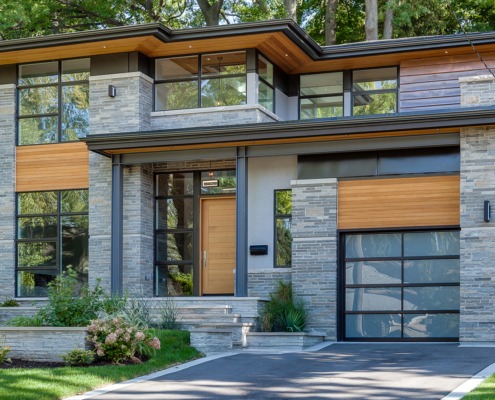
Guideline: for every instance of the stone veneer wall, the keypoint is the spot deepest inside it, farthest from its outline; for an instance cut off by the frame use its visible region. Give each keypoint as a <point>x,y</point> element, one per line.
<point>263,282</point>
<point>212,116</point>
<point>100,220</point>
<point>7,190</point>
<point>314,251</point>
<point>128,111</point>
<point>477,237</point>
<point>138,231</point>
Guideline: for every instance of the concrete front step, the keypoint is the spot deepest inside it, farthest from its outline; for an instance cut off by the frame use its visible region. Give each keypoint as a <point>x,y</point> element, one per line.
<point>204,309</point>
<point>282,340</point>
<point>191,320</point>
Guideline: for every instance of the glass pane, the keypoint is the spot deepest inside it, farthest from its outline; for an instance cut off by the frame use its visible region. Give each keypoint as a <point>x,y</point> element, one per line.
<point>175,213</point>
<point>283,242</point>
<point>322,107</point>
<point>37,228</point>
<point>265,69</point>
<point>75,201</point>
<point>223,92</point>
<point>38,100</point>
<point>283,202</point>
<point>373,299</point>
<point>373,325</point>
<point>374,79</point>
<point>377,103</point>
<point>223,63</point>
<point>431,298</point>
<point>431,271</point>
<point>177,184</point>
<point>75,246</point>
<point>34,284</point>
<point>265,96</point>
<point>431,325</point>
<point>373,272</point>
<point>174,280</point>
<point>37,203</point>
<point>431,244</point>
<point>176,68</point>
<point>176,95</point>
<point>38,130</point>
<point>75,112</point>
<point>35,254</point>
<point>218,182</point>
<point>373,245</point>
<point>174,247</point>
<point>317,84</point>
<point>75,70</point>
<point>38,74</point>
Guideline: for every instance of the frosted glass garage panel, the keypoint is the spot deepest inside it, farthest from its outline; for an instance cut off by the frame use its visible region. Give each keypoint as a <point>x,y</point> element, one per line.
<point>431,244</point>
<point>431,325</point>
<point>373,272</point>
<point>373,326</point>
<point>373,245</point>
<point>431,298</point>
<point>373,299</point>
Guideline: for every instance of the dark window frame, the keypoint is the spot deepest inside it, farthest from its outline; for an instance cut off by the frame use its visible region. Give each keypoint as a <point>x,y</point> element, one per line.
<point>261,79</point>
<point>279,217</point>
<point>59,84</point>
<point>317,96</point>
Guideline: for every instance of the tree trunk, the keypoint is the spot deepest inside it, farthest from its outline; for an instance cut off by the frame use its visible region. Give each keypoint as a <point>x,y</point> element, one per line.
<point>211,12</point>
<point>291,9</point>
<point>371,23</point>
<point>331,22</point>
<point>388,23</point>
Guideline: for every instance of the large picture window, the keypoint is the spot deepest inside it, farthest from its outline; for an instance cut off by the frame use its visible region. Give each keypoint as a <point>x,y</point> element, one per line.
<point>52,237</point>
<point>207,80</point>
<point>283,229</point>
<point>401,285</point>
<point>53,101</point>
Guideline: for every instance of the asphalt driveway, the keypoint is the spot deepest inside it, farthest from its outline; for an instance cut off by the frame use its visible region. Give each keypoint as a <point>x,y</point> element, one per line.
<point>339,371</point>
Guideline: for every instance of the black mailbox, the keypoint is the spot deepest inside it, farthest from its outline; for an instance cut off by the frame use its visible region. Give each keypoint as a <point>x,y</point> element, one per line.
<point>258,250</point>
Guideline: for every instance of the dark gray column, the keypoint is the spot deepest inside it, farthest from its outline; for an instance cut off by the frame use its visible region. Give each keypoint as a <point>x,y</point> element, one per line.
<point>117,225</point>
<point>241,223</point>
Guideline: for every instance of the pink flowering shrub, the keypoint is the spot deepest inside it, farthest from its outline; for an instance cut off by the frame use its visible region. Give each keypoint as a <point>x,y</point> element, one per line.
<point>117,340</point>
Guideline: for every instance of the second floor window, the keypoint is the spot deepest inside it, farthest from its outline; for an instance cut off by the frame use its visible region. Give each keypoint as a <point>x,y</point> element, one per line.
<point>53,101</point>
<point>374,91</point>
<point>207,80</point>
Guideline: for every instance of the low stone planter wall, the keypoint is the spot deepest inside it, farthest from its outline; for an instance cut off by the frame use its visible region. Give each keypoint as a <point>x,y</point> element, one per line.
<point>42,343</point>
<point>287,340</point>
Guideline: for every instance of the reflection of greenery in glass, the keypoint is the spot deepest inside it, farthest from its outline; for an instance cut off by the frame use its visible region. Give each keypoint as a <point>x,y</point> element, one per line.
<point>265,95</point>
<point>226,182</point>
<point>283,232</point>
<point>176,95</point>
<point>37,203</point>
<point>34,254</point>
<point>174,280</point>
<point>223,92</point>
<point>322,107</point>
<point>75,112</point>
<point>38,100</point>
<point>38,130</point>
<point>75,201</point>
<point>377,103</point>
<point>374,91</point>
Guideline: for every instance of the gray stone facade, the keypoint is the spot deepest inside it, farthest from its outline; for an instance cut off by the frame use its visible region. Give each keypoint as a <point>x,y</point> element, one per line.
<point>138,231</point>
<point>477,238</point>
<point>314,251</point>
<point>7,190</point>
<point>213,116</point>
<point>128,111</point>
<point>262,283</point>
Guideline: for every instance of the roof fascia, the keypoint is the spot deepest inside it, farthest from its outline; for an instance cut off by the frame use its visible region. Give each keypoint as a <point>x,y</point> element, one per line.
<point>294,129</point>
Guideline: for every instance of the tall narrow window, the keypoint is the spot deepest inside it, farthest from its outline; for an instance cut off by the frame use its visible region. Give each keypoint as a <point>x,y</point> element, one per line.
<point>265,83</point>
<point>374,91</point>
<point>283,231</point>
<point>53,101</point>
<point>52,237</point>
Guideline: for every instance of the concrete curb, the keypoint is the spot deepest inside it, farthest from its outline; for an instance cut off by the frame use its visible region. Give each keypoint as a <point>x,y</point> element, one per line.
<point>471,384</point>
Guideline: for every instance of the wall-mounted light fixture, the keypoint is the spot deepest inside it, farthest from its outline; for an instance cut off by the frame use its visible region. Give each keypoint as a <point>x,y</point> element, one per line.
<point>112,91</point>
<point>486,210</point>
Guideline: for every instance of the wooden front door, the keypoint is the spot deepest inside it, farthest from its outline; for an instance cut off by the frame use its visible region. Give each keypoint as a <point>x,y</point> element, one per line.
<point>218,239</point>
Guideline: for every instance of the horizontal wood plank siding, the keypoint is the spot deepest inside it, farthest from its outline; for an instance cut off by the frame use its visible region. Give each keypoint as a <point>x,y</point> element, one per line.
<point>52,167</point>
<point>399,202</point>
<point>433,83</point>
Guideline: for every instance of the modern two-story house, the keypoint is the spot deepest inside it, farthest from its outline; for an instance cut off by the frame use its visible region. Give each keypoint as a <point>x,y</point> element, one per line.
<point>218,161</point>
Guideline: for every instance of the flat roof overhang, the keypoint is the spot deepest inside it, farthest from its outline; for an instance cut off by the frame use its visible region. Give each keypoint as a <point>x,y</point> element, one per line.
<point>292,132</point>
<point>283,41</point>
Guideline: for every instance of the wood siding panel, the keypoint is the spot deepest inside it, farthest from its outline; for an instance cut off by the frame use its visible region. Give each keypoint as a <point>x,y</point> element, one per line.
<point>399,202</point>
<point>433,83</point>
<point>52,167</point>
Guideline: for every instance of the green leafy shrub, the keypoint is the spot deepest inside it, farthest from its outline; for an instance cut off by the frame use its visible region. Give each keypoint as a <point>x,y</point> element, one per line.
<point>79,357</point>
<point>25,320</point>
<point>281,313</point>
<point>10,303</point>
<point>118,341</point>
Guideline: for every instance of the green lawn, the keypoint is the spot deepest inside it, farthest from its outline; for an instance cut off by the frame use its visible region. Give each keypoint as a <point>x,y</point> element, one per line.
<point>57,383</point>
<point>485,391</point>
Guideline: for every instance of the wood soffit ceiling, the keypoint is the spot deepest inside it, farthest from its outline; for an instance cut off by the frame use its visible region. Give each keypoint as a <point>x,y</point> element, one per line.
<point>291,49</point>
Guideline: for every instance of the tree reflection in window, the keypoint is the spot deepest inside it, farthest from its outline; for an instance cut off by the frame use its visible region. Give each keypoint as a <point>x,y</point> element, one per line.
<point>283,229</point>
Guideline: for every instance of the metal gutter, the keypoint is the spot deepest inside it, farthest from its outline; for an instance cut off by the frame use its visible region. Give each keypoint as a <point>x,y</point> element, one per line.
<point>294,129</point>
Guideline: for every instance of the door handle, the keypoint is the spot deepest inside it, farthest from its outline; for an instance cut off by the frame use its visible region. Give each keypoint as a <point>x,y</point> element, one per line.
<point>204,258</point>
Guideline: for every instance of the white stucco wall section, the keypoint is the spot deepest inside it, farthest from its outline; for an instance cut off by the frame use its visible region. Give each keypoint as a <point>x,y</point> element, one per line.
<point>265,174</point>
